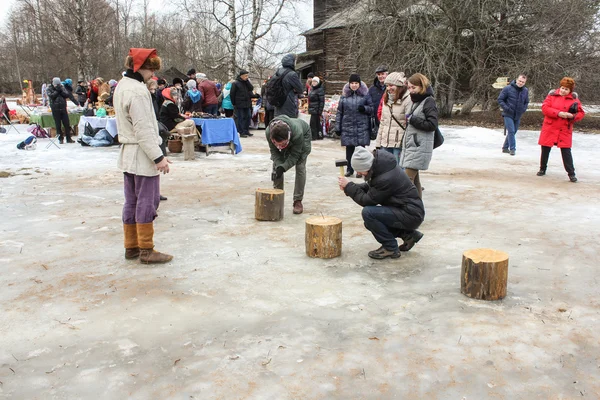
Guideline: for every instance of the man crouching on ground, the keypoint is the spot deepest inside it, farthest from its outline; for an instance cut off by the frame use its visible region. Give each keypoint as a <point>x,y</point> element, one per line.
<point>140,158</point>
<point>289,140</point>
<point>391,204</point>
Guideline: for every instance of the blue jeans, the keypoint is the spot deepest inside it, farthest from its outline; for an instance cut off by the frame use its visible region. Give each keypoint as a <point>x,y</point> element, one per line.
<point>395,151</point>
<point>512,126</point>
<point>212,109</point>
<point>386,224</point>
<point>242,120</point>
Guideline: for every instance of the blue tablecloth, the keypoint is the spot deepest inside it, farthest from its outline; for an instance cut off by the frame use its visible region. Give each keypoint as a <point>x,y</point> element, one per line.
<point>219,131</point>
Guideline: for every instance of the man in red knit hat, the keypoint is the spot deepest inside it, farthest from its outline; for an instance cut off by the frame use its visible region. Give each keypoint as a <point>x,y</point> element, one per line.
<point>141,158</point>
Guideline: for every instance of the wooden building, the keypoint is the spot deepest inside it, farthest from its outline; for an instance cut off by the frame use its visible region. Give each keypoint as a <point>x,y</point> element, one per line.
<point>329,52</point>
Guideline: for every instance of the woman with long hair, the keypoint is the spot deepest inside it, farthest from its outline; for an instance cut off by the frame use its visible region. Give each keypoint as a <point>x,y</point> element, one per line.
<point>392,112</point>
<point>421,123</point>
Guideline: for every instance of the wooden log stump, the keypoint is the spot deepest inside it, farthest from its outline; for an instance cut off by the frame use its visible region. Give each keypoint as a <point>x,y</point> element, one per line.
<point>269,204</point>
<point>188,147</point>
<point>484,274</point>
<point>323,237</point>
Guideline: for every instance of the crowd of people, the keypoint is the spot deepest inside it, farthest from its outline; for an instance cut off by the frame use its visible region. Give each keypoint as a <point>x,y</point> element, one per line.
<point>398,113</point>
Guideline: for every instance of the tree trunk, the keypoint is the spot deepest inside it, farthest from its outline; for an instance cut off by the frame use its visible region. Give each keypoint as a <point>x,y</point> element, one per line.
<point>323,237</point>
<point>484,274</point>
<point>233,67</point>
<point>269,204</point>
<point>468,105</point>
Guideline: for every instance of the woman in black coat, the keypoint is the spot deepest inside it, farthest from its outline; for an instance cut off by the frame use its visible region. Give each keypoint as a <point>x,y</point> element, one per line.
<point>353,119</point>
<point>316,103</point>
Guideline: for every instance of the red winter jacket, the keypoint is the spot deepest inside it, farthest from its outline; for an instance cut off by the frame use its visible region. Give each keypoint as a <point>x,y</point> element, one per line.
<point>210,93</point>
<point>558,131</point>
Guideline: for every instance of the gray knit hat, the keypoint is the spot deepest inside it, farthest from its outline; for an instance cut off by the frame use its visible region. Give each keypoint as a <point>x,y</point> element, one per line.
<point>396,78</point>
<point>56,81</point>
<point>191,84</point>
<point>362,159</point>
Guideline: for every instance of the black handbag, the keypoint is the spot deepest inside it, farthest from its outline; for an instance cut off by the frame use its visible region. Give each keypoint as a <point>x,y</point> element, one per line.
<point>438,138</point>
<point>374,128</point>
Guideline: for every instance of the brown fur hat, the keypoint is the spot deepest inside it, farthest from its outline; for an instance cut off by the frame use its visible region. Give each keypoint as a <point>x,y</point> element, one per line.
<point>143,59</point>
<point>567,82</point>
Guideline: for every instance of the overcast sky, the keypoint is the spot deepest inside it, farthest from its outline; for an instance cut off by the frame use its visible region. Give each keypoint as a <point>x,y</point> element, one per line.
<point>305,11</point>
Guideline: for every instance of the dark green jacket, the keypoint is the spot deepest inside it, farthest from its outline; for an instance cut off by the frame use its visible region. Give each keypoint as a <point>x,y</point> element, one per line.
<point>299,147</point>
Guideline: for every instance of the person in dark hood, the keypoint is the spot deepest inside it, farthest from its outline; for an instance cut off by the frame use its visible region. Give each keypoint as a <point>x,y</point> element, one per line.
<point>421,123</point>
<point>58,96</point>
<point>291,85</point>
<point>241,96</point>
<point>353,119</point>
<point>316,103</point>
<point>391,204</point>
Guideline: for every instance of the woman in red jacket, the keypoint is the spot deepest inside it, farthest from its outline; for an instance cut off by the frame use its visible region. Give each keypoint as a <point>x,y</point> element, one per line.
<point>561,110</point>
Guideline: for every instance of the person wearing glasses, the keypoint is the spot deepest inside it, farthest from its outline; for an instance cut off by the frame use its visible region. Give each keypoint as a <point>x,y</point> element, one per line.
<point>289,141</point>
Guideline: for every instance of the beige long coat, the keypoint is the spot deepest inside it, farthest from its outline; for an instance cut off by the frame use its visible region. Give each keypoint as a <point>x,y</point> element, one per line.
<point>138,129</point>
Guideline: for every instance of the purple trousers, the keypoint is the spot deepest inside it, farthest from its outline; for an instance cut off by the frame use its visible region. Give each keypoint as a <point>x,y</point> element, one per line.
<point>142,196</point>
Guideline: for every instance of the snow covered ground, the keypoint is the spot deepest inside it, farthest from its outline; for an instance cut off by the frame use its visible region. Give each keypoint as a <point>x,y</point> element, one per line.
<point>243,313</point>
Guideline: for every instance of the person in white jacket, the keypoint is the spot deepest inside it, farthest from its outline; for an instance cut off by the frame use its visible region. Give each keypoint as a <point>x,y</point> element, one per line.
<point>141,158</point>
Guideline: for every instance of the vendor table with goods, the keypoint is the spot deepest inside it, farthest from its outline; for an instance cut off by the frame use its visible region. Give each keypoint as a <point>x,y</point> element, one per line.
<point>45,119</point>
<point>108,123</point>
<point>219,132</point>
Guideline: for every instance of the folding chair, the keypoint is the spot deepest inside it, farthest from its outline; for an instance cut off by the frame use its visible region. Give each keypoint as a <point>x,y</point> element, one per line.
<point>9,123</point>
<point>50,138</point>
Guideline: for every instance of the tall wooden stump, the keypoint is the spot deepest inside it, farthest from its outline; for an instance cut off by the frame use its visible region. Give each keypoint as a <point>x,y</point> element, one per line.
<point>269,204</point>
<point>484,274</point>
<point>323,237</point>
<point>188,147</point>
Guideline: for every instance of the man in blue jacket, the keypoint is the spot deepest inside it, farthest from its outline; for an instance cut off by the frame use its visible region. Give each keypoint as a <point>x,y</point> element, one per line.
<point>514,100</point>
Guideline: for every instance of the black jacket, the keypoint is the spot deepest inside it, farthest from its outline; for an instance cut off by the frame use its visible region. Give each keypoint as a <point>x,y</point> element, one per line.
<point>387,185</point>
<point>155,105</point>
<point>376,92</point>
<point>58,97</point>
<point>81,93</point>
<point>291,85</point>
<point>241,93</point>
<point>169,115</point>
<point>316,100</point>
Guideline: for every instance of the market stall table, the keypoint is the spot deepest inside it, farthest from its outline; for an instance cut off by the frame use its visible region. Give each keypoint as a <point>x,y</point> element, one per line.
<point>45,120</point>
<point>219,132</point>
<point>108,123</point>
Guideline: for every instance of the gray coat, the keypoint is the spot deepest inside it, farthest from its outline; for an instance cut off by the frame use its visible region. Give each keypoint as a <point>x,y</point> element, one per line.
<point>292,86</point>
<point>353,126</point>
<point>417,144</point>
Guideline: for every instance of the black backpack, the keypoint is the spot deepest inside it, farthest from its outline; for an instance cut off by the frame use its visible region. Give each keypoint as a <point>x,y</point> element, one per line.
<point>276,94</point>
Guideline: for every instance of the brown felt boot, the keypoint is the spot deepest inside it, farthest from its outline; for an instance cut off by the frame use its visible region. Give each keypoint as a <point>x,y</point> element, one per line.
<point>132,249</point>
<point>148,255</point>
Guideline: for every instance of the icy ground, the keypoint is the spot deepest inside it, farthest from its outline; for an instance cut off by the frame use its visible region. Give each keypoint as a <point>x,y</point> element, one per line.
<point>243,313</point>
